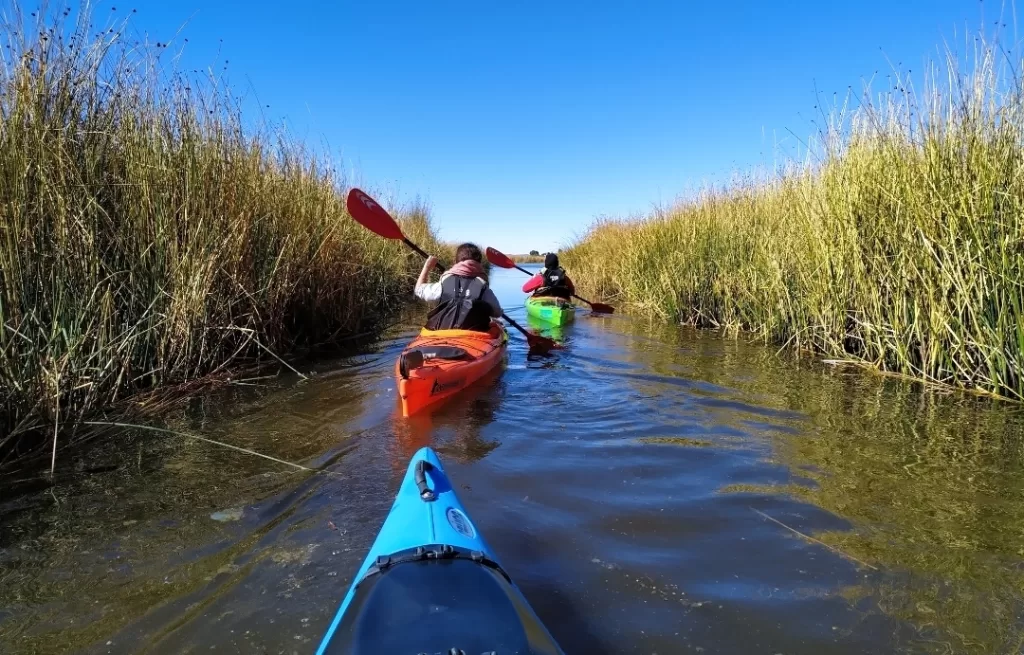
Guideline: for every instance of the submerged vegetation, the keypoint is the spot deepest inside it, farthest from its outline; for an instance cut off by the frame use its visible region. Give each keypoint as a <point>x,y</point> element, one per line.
<point>150,237</point>
<point>900,246</point>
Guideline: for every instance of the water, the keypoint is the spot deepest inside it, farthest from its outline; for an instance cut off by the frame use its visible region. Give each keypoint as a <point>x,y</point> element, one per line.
<point>651,489</point>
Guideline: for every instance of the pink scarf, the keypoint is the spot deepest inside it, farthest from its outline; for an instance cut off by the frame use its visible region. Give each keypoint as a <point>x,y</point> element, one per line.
<point>468,268</point>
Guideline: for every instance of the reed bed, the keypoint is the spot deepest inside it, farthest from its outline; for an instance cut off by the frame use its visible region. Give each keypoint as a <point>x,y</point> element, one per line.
<point>149,236</point>
<point>528,259</point>
<point>900,245</point>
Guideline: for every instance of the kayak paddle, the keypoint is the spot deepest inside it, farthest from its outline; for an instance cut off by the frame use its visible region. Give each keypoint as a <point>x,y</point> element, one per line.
<point>499,258</point>
<point>368,213</point>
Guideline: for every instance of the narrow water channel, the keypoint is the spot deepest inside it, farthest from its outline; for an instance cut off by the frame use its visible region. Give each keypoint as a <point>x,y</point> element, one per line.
<point>652,490</point>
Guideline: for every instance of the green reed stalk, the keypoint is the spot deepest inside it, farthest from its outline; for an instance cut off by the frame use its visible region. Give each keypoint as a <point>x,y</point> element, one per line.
<point>901,247</point>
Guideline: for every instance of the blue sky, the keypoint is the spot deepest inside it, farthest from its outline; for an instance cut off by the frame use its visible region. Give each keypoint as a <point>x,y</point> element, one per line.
<point>520,122</point>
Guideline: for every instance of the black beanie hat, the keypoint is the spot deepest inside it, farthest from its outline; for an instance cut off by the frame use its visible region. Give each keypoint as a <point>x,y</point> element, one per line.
<point>551,260</point>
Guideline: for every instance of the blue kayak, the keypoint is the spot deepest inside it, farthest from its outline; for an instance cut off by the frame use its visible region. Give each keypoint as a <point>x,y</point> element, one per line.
<point>431,584</point>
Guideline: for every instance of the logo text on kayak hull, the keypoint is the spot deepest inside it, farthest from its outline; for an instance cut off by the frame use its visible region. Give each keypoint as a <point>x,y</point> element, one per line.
<point>460,523</point>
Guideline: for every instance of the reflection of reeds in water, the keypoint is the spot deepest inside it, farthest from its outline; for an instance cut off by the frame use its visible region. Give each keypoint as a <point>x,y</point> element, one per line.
<point>933,491</point>
<point>149,238</point>
<point>900,248</point>
<point>930,481</point>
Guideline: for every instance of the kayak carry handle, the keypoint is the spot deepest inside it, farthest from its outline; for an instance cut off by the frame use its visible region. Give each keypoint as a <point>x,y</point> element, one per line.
<point>426,493</point>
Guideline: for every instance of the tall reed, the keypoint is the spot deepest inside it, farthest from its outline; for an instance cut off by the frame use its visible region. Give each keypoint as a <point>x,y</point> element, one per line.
<point>148,238</point>
<point>902,246</point>
<point>528,259</point>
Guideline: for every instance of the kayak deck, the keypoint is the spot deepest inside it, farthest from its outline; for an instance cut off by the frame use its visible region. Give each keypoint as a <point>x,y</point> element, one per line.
<point>451,361</point>
<point>431,584</point>
<point>551,309</point>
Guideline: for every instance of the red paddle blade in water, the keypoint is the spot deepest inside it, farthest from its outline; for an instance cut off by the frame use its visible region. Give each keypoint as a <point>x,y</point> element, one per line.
<point>601,308</point>
<point>499,258</point>
<point>538,342</point>
<point>368,213</point>
<point>535,341</point>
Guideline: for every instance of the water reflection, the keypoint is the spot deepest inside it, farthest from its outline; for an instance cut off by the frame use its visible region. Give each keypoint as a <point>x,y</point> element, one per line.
<point>454,429</point>
<point>929,484</point>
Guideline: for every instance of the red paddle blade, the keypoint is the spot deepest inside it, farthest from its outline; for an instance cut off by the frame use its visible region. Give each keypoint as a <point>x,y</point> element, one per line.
<point>371,215</point>
<point>533,283</point>
<point>535,341</point>
<point>499,258</point>
<point>601,308</point>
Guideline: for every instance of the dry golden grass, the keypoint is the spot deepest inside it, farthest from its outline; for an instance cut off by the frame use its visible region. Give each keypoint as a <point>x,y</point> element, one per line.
<point>147,239</point>
<point>901,247</point>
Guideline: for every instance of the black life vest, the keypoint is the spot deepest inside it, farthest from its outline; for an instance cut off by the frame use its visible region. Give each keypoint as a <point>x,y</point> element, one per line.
<point>460,306</point>
<point>554,283</point>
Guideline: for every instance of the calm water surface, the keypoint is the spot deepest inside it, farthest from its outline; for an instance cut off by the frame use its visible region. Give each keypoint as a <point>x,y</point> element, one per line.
<point>651,489</point>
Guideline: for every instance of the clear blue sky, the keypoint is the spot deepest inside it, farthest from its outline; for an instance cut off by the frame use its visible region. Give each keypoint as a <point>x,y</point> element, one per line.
<point>520,122</point>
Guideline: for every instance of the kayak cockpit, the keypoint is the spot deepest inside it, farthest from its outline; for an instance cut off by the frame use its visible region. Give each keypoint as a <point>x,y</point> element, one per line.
<point>438,599</point>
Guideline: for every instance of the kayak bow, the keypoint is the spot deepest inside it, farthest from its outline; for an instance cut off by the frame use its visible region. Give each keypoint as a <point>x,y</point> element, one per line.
<point>431,584</point>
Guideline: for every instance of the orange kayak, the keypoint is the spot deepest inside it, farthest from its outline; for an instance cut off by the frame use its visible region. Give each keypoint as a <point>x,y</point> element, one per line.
<point>439,363</point>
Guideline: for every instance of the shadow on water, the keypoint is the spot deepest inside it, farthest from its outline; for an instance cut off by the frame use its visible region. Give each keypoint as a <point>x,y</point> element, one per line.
<point>650,488</point>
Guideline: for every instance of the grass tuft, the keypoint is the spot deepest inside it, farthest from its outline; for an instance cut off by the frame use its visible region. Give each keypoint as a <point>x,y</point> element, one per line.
<point>901,246</point>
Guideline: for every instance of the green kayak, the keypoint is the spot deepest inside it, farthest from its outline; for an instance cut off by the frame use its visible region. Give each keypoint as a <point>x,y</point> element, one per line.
<point>557,311</point>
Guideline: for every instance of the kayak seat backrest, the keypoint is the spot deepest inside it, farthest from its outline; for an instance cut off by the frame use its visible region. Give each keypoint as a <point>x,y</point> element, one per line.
<point>413,359</point>
<point>434,605</point>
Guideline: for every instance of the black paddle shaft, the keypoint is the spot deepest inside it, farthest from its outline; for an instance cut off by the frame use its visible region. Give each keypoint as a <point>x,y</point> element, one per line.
<point>515,325</point>
<point>422,253</point>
